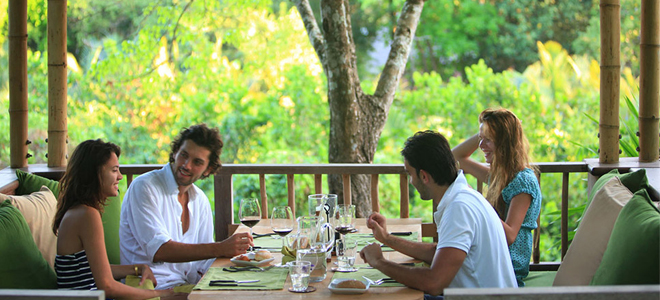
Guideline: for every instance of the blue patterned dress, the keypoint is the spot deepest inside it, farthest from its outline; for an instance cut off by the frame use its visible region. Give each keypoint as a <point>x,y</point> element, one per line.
<point>521,249</point>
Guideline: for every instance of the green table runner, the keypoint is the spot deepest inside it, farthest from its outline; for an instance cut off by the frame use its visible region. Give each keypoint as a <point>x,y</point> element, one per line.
<point>364,239</point>
<point>271,243</point>
<point>272,279</point>
<point>372,274</point>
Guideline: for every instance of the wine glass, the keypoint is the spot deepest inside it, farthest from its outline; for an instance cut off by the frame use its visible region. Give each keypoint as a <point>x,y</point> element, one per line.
<point>345,219</point>
<point>281,221</point>
<point>250,212</point>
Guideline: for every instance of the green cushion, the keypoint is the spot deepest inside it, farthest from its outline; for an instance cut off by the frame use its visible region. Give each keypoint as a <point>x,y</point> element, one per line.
<point>23,266</point>
<point>29,183</point>
<point>110,219</point>
<point>540,278</point>
<point>633,251</point>
<point>634,181</point>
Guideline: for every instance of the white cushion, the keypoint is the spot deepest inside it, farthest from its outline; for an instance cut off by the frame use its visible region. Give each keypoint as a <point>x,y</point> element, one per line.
<point>39,209</point>
<point>590,241</point>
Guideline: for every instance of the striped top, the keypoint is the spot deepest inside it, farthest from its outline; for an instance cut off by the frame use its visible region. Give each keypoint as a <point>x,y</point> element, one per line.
<point>73,272</point>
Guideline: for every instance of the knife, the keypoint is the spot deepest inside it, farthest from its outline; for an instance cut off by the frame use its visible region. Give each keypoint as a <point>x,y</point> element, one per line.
<point>234,281</point>
<point>234,284</point>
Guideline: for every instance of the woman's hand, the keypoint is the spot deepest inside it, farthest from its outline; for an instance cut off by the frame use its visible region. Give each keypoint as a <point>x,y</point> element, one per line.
<point>146,273</point>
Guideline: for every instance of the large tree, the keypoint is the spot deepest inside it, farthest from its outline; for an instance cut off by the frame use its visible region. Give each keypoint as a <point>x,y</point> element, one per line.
<point>356,118</point>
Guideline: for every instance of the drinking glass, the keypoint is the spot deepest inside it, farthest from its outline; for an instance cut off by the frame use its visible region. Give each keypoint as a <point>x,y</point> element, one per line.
<point>299,271</point>
<point>250,212</point>
<point>345,218</point>
<point>281,221</point>
<point>346,253</point>
<point>316,203</point>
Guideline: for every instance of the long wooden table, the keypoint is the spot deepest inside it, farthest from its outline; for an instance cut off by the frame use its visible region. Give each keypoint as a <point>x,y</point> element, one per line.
<point>322,291</point>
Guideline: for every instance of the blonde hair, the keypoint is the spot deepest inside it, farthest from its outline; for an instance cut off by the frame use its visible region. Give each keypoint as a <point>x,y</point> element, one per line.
<point>511,153</point>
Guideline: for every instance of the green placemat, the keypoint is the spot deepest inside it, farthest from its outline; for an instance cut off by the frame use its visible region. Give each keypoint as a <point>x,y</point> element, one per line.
<point>364,239</point>
<point>272,279</point>
<point>372,274</point>
<point>272,242</point>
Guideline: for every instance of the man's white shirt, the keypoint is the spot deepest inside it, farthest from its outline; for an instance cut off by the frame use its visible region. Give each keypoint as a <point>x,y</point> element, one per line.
<point>466,221</point>
<point>151,216</point>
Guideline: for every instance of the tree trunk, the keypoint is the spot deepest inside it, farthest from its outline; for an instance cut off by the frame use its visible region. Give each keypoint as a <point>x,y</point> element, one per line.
<point>356,119</point>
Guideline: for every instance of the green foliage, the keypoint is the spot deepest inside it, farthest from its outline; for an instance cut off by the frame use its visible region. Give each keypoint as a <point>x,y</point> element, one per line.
<point>247,68</point>
<point>455,34</point>
<point>588,40</point>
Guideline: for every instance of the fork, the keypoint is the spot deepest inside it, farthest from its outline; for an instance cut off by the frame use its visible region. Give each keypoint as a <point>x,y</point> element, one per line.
<point>379,281</point>
<point>264,269</point>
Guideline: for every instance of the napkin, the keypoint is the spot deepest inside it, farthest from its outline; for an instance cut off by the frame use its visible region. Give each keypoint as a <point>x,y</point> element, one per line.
<point>134,281</point>
<point>272,279</point>
<point>364,239</point>
<point>288,255</point>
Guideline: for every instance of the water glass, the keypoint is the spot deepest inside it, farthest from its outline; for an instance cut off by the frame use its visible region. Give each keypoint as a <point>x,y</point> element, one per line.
<point>299,271</point>
<point>346,254</point>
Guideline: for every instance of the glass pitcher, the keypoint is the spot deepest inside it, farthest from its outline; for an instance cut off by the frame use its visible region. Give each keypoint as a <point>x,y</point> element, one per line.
<point>314,239</point>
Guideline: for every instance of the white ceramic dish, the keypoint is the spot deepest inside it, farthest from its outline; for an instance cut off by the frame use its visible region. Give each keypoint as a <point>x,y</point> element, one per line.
<point>251,262</point>
<point>333,287</point>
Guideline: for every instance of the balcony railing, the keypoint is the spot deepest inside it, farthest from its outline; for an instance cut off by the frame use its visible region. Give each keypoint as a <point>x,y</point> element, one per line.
<point>223,190</point>
<point>223,187</point>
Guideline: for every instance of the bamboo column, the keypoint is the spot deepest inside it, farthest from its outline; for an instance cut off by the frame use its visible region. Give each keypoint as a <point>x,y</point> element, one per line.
<point>649,81</point>
<point>57,79</point>
<point>18,94</point>
<point>610,74</point>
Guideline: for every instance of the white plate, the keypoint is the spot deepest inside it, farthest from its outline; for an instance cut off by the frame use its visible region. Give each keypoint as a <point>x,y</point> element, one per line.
<point>252,262</point>
<point>333,287</point>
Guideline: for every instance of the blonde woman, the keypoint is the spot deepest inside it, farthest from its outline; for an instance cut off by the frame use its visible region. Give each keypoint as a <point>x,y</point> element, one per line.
<point>513,188</point>
<point>92,175</point>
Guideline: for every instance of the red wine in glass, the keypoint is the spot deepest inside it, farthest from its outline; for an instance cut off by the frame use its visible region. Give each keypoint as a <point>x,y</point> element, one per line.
<point>249,222</point>
<point>282,232</point>
<point>250,213</point>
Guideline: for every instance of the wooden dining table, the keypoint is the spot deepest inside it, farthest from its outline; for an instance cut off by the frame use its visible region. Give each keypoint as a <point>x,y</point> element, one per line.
<point>322,291</point>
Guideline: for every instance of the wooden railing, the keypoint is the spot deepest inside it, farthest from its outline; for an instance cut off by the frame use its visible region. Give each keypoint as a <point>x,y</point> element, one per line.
<point>223,187</point>
<point>224,192</point>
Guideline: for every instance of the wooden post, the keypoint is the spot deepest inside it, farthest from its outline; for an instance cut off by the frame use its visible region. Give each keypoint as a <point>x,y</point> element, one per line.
<point>649,82</point>
<point>18,92</point>
<point>610,76</point>
<point>57,83</point>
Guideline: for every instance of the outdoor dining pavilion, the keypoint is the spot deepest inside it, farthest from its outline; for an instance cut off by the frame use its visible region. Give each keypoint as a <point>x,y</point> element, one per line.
<point>225,225</point>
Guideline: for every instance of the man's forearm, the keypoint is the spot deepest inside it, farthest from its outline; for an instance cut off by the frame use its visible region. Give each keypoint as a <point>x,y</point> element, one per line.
<point>175,252</point>
<point>417,250</point>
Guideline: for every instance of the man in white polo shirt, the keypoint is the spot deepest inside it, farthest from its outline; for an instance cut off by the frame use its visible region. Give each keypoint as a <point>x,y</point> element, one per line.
<point>166,220</point>
<point>471,251</point>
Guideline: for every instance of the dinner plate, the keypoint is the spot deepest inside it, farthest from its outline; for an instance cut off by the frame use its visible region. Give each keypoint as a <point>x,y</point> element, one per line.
<point>333,287</point>
<point>252,262</point>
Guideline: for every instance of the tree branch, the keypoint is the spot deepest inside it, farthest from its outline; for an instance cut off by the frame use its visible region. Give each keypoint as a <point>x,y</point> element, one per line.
<point>313,31</point>
<point>400,49</point>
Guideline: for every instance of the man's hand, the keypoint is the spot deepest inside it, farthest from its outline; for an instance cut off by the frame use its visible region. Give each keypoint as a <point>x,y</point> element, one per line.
<point>376,222</point>
<point>236,244</point>
<point>371,254</point>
